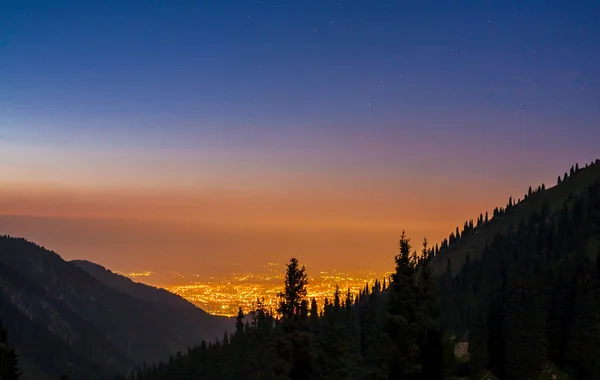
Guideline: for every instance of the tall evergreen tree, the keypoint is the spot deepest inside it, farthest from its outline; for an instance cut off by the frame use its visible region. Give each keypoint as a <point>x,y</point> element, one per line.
<point>294,290</point>
<point>403,317</point>
<point>239,323</point>
<point>314,310</point>
<point>9,360</point>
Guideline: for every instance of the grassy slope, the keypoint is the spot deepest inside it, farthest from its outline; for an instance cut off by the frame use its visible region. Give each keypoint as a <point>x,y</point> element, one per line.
<point>555,196</point>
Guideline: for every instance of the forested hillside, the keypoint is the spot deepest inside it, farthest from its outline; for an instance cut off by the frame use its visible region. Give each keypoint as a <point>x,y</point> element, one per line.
<point>476,233</point>
<point>532,296</point>
<point>525,297</point>
<point>353,337</point>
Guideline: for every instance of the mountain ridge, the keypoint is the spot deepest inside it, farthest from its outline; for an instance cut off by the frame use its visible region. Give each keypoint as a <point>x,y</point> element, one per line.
<point>133,288</point>
<point>570,187</point>
<point>94,325</point>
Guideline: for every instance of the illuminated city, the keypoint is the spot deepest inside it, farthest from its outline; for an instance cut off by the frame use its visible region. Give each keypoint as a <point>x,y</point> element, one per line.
<point>225,295</point>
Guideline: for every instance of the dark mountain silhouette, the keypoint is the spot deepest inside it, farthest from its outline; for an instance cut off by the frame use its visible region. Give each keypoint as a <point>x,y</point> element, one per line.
<point>136,289</point>
<point>62,319</point>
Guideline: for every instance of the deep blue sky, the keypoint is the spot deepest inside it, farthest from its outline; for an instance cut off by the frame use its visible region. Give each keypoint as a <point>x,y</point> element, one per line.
<point>409,114</point>
<point>296,64</point>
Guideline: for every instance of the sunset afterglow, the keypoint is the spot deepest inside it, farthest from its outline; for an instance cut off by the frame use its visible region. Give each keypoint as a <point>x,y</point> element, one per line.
<point>169,144</point>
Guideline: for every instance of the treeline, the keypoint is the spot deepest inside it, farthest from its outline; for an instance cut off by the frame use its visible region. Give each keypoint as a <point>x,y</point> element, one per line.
<point>532,298</point>
<point>513,301</point>
<point>528,304</point>
<point>471,226</point>
<point>378,334</point>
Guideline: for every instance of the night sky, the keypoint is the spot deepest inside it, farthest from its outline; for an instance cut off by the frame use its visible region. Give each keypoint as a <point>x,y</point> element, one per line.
<point>192,134</point>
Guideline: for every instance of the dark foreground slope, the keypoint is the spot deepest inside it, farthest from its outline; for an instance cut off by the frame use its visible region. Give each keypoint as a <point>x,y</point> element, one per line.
<point>534,233</point>
<point>527,291</point>
<point>61,319</point>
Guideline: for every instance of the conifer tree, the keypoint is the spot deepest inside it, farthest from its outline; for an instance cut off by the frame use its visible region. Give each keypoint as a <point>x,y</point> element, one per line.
<point>583,344</point>
<point>403,314</point>
<point>479,361</point>
<point>314,310</point>
<point>239,324</point>
<point>348,302</point>
<point>525,343</point>
<point>9,360</point>
<point>294,290</point>
<point>449,274</point>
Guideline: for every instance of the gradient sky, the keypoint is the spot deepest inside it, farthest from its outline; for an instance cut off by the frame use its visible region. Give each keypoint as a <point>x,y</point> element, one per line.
<point>188,135</point>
